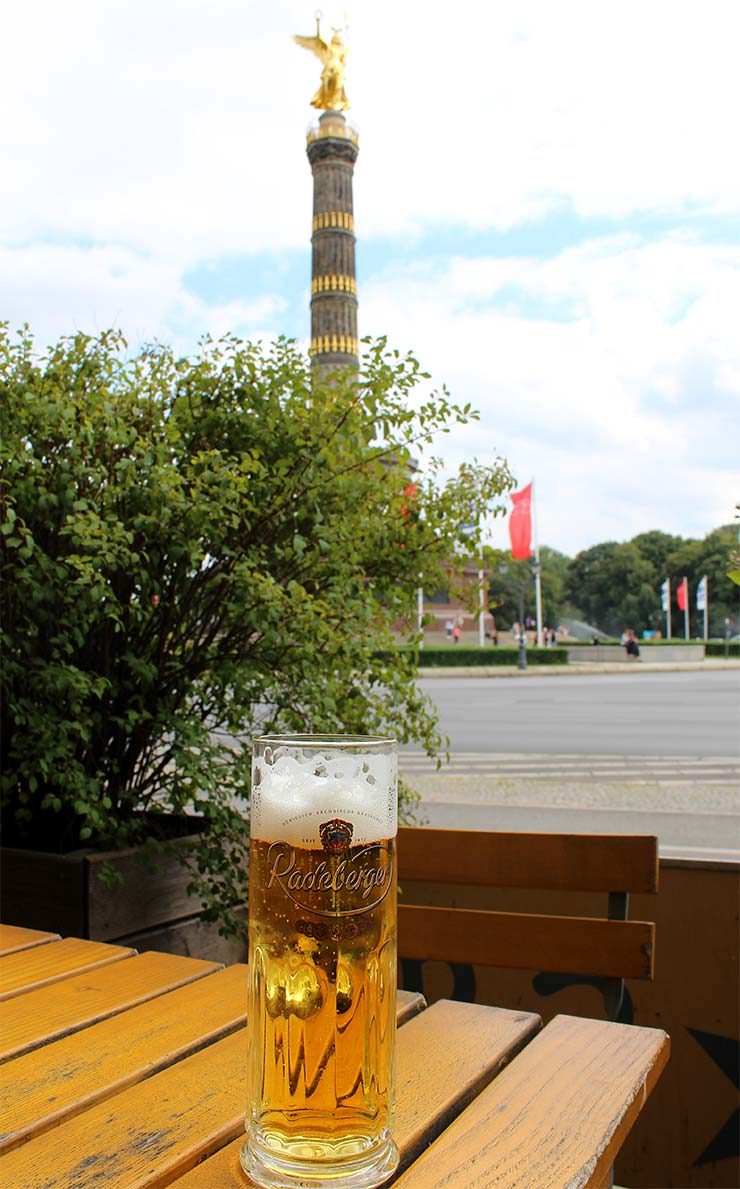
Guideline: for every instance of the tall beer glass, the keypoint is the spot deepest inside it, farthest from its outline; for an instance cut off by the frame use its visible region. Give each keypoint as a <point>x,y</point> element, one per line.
<point>322,961</point>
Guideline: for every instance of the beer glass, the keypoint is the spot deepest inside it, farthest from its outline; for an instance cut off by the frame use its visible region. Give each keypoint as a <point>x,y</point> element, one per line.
<point>322,962</point>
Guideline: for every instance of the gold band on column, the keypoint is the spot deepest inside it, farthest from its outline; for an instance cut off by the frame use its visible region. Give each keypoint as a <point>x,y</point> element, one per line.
<point>328,219</point>
<point>334,344</point>
<point>334,284</point>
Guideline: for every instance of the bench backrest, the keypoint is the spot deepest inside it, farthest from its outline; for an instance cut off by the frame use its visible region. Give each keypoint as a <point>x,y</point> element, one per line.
<point>607,947</point>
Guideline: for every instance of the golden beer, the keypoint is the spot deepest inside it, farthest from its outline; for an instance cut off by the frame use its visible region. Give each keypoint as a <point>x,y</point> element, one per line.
<point>322,970</point>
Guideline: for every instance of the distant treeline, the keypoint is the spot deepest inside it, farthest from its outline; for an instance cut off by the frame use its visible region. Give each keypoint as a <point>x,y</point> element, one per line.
<point>617,585</point>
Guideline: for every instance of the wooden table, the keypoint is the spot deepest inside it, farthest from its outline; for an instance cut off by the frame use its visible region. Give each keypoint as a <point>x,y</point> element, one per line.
<point>125,1070</point>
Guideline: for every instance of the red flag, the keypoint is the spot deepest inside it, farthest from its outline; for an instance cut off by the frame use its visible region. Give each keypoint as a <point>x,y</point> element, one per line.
<point>410,491</point>
<point>682,595</point>
<point>520,522</point>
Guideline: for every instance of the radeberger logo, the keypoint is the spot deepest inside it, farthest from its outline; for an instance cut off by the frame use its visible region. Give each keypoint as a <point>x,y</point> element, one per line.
<point>362,880</point>
<point>336,835</point>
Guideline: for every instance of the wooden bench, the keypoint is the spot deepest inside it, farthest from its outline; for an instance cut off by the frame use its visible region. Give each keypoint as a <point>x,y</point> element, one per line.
<point>604,950</point>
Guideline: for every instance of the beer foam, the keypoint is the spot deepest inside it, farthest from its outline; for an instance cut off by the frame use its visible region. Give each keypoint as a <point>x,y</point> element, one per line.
<point>295,790</point>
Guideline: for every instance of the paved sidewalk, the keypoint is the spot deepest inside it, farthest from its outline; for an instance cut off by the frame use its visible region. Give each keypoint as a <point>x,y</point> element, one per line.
<point>693,819</point>
<point>581,668</point>
<point>641,795</point>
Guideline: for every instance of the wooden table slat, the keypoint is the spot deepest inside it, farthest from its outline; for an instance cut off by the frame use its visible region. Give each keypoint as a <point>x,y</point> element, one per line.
<point>557,1116</point>
<point>154,1131</point>
<point>444,1057</point>
<point>50,1085</point>
<point>47,1014</point>
<point>23,971</point>
<point>14,938</point>
<point>410,1003</point>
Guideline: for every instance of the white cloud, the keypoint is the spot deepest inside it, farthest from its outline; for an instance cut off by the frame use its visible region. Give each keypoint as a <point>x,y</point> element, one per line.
<point>60,290</point>
<point>167,127</point>
<point>178,129</point>
<point>625,413</point>
<point>506,110</point>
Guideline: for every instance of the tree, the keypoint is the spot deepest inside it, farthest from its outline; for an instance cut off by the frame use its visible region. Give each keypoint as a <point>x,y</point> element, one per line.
<point>656,547</point>
<point>615,586</point>
<point>506,577</point>
<point>196,551</point>
<point>554,574</point>
<point>504,585</point>
<point>619,585</point>
<point>711,557</point>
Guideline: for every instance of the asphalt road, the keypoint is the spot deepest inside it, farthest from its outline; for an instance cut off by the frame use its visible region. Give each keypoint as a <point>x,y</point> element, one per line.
<point>642,753</point>
<point>636,714</point>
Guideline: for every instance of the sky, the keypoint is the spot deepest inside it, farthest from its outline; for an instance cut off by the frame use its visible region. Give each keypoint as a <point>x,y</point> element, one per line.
<point>547,205</point>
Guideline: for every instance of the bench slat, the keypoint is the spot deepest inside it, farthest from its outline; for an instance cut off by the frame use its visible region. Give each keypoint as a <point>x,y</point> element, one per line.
<point>574,862</point>
<point>538,1125</point>
<point>13,938</point>
<point>152,1132</point>
<point>51,1012</point>
<point>567,945</point>
<point>49,1085</point>
<point>27,969</point>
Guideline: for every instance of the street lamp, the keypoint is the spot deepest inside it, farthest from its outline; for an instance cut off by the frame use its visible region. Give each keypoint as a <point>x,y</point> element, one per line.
<point>521,660</point>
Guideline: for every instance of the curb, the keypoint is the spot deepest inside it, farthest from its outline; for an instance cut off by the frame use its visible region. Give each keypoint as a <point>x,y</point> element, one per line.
<point>581,668</point>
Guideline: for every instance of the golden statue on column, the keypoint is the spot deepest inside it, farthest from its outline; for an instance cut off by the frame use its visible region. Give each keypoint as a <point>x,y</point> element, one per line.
<point>331,95</point>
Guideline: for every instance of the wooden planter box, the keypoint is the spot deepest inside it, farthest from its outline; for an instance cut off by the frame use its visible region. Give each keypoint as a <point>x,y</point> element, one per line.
<point>149,908</point>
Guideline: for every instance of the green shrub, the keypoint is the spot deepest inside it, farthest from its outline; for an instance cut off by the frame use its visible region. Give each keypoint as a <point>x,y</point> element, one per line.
<point>459,656</point>
<point>719,648</point>
<point>195,551</point>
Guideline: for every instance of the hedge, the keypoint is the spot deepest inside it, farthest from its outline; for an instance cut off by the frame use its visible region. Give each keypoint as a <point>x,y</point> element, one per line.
<point>717,648</point>
<point>435,658</point>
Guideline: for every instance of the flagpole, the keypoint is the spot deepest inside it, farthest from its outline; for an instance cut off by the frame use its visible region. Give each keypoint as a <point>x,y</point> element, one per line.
<point>686,608</point>
<point>482,608</point>
<point>537,572</point>
<point>481,593</point>
<point>702,602</point>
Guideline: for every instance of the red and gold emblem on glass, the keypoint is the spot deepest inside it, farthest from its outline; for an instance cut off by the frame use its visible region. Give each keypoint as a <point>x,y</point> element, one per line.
<point>336,836</point>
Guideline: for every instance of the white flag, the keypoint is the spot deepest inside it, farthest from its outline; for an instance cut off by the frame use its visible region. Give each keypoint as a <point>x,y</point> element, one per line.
<point>665,591</point>
<point>701,595</point>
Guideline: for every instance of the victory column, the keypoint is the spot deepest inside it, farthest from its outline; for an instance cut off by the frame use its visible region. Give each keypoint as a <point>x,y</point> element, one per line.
<point>332,148</point>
